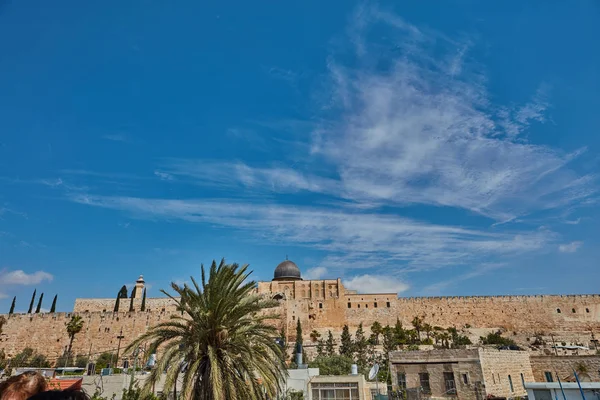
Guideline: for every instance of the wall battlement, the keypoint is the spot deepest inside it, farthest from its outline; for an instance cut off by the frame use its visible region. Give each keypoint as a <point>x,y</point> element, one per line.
<point>320,305</point>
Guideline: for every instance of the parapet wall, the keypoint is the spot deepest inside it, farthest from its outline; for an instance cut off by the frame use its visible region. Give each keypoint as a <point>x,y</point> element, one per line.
<point>323,310</point>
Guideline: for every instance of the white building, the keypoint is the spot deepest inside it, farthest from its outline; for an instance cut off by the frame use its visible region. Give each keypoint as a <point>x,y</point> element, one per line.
<point>552,391</point>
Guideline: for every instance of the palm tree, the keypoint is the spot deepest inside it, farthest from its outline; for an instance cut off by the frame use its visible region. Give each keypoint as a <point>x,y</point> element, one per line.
<point>417,323</point>
<point>74,326</point>
<point>427,329</point>
<point>314,335</point>
<point>228,349</point>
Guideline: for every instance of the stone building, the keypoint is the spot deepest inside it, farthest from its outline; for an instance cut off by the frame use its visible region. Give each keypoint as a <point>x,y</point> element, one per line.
<point>552,368</point>
<point>463,373</point>
<point>320,305</point>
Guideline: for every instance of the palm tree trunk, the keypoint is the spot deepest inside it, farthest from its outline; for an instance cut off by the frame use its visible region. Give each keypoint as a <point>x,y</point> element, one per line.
<point>71,343</point>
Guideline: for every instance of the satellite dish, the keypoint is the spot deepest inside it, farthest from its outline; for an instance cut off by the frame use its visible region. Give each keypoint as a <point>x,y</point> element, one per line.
<point>373,372</point>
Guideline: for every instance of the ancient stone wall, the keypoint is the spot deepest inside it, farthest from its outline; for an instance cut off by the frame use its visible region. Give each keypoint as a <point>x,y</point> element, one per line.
<point>563,366</point>
<point>501,368</point>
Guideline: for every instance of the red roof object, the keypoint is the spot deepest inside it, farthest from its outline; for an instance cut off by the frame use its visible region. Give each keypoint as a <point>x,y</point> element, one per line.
<point>63,384</point>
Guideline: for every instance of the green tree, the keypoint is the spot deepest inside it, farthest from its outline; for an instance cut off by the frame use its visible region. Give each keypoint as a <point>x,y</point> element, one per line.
<point>389,341</point>
<point>12,306</point>
<point>223,338</point>
<point>314,335</point>
<point>131,309</point>
<point>298,344</point>
<point>428,329</point>
<point>346,345</point>
<point>330,345</point>
<point>74,326</point>
<point>400,333</point>
<point>39,306</point>
<point>118,302</point>
<point>497,339</point>
<point>31,303</point>
<point>29,358</point>
<point>3,360</point>
<point>53,307</point>
<point>123,292</point>
<point>376,328</point>
<point>332,365</point>
<point>143,307</point>
<point>2,322</point>
<point>360,347</point>
<point>417,323</point>
<point>320,348</point>
<point>133,292</point>
<point>104,360</point>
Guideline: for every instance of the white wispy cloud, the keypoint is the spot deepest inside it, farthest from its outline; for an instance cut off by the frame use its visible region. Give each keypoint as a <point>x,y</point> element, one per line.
<point>406,128</point>
<point>117,137</point>
<point>439,288</point>
<point>570,247</point>
<point>376,284</point>
<point>20,277</point>
<point>315,273</point>
<point>352,239</point>
<point>163,176</point>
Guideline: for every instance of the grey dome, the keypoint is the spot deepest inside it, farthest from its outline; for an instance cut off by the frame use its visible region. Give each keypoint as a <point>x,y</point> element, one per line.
<point>287,271</point>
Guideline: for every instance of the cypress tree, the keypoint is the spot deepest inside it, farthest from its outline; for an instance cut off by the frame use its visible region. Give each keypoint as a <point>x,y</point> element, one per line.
<point>122,293</point>
<point>53,307</point>
<point>117,302</point>
<point>298,344</point>
<point>346,346</point>
<point>131,305</point>
<point>39,306</point>
<point>133,292</point>
<point>143,308</point>
<point>12,306</point>
<point>330,345</point>
<point>31,304</point>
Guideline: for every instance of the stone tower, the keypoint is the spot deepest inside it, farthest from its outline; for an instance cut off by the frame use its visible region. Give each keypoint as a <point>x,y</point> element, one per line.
<point>139,288</point>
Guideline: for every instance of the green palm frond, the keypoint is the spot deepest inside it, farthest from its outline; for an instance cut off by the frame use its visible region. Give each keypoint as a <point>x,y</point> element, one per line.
<point>222,335</point>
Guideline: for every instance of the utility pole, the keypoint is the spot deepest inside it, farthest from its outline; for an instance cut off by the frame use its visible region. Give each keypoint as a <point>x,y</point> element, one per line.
<point>120,337</point>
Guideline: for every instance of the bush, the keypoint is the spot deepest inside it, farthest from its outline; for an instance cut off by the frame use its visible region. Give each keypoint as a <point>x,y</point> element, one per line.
<point>332,365</point>
<point>29,358</point>
<point>496,338</point>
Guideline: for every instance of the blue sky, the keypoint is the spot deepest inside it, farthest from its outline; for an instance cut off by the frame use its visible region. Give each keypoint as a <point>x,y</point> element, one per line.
<point>429,148</point>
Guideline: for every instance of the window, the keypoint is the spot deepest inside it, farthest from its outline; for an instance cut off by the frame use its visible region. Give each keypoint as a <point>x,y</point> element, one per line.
<point>494,378</point>
<point>335,391</point>
<point>548,376</point>
<point>558,310</point>
<point>449,381</point>
<point>358,306</point>
<point>401,380</point>
<point>387,304</point>
<point>465,378</point>
<point>522,380</point>
<point>573,310</point>
<point>293,317</point>
<point>366,306</point>
<point>320,305</point>
<point>375,305</point>
<point>349,305</point>
<point>510,384</point>
<point>587,310</point>
<point>424,381</point>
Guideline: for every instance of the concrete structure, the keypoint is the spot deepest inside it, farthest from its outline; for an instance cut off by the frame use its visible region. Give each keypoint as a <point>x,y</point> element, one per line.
<point>298,379</point>
<point>344,387</point>
<point>552,391</point>
<point>549,368</point>
<point>463,373</point>
<point>320,305</point>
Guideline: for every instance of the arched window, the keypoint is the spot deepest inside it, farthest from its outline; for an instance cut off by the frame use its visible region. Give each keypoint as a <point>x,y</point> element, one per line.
<point>558,310</point>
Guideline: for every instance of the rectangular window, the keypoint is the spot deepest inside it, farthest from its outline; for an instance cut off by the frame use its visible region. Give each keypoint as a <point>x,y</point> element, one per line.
<point>465,378</point>
<point>320,305</point>
<point>510,384</point>
<point>375,305</point>
<point>424,381</point>
<point>449,381</point>
<point>388,304</point>
<point>548,376</point>
<point>335,391</point>
<point>401,380</point>
<point>349,305</point>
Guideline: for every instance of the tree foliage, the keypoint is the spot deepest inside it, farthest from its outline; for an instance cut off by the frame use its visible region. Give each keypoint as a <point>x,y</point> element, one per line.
<point>332,365</point>
<point>131,309</point>
<point>496,338</point>
<point>122,293</point>
<point>143,307</point>
<point>376,330</point>
<point>53,307</point>
<point>29,358</point>
<point>346,345</point>
<point>12,306</point>
<point>74,326</point>
<point>32,301</point>
<point>360,348</point>
<point>330,345</point>
<point>223,340</point>
<point>39,306</point>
